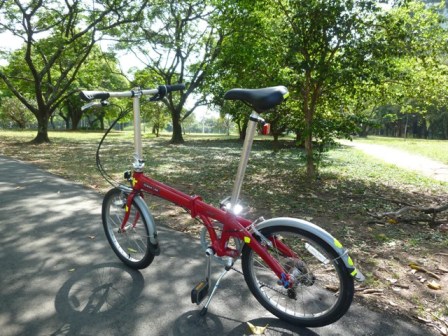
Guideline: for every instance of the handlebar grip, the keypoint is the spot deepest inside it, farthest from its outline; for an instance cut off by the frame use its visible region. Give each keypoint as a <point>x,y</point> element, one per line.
<point>90,95</point>
<point>164,89</point>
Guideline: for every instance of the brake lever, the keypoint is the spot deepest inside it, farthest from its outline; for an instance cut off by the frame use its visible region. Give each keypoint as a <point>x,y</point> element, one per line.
<point>157,97</point>
<point>95,104</point>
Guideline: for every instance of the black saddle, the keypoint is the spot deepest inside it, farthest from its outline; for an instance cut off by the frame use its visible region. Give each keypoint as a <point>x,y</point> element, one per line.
<point>259,99</point>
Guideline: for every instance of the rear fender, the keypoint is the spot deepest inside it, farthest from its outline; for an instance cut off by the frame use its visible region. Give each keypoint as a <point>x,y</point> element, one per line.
<point>319,232</point>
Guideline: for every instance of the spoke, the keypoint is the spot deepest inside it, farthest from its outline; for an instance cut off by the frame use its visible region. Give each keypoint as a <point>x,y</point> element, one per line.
<point>309,299</point>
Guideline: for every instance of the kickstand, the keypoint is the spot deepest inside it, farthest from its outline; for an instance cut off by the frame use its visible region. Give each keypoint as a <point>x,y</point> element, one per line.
<point>204,310</point>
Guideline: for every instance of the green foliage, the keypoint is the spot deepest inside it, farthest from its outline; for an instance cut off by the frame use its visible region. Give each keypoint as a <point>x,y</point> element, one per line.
<point>13,111</point>
<point>57,39</point>
<point>178,42</point>
<point>409,61</point>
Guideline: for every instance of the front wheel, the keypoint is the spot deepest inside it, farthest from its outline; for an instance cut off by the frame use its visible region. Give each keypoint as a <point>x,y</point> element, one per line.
<point>322,291</point>
<point>130,244</point>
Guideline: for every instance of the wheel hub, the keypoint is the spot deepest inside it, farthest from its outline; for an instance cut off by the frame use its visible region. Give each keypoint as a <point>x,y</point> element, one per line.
<point>299,272</point>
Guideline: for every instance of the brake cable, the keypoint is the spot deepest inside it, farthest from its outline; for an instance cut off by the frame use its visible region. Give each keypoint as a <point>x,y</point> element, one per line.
<point>99,165</point>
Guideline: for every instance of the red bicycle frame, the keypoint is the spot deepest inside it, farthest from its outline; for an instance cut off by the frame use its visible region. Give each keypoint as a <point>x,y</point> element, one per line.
<point>233,225</point>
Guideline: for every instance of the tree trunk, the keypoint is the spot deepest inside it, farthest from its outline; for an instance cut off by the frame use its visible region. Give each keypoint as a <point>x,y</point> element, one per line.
<point>309,99</point>
<point>310,167</point>
<point>42,130</point>
<point>52,122</point>
<point>177,137</point>
<point>75,121</point>
<point>242,131</point>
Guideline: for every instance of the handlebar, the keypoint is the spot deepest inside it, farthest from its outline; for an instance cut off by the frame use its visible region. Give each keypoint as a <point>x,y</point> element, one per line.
<point>160,92</point>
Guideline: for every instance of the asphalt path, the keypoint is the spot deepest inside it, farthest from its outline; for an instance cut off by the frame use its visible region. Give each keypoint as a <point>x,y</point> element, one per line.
<point>58,275</point>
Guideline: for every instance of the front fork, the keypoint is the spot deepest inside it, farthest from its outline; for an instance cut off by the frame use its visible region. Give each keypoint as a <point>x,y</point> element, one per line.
<point>129,200</point>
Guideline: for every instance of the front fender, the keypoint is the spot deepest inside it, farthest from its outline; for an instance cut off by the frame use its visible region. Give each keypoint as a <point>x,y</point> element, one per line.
<point>319,232</point>
<point>149,219</point>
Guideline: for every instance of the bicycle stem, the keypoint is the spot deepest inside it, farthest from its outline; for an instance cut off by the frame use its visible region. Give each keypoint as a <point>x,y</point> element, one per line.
<point>248,141</point>
<point>138,163</point>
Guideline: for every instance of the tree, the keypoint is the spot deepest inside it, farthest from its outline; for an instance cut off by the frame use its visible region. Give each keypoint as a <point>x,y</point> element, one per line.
<point>325,52</point>
<point>251,57</point>
<point>157,115</point>
<point>100,71</point>
<point>57,39</point>
<point>178,42</point>
<point>408,71</point>
<point>12,110</point>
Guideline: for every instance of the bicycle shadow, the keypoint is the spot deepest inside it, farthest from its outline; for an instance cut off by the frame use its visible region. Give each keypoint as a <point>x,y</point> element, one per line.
<point>95,294</point>
<point>192,323</point>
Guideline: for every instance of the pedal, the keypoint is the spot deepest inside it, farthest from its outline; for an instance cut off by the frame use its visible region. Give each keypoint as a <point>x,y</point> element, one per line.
<point>199,292</point>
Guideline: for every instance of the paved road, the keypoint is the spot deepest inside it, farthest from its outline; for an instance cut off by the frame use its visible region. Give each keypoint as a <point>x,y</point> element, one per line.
<point>402,159</point>
<point>59,277</point>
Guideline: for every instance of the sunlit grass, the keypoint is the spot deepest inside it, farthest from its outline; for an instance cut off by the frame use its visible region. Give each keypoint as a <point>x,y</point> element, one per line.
<point>434,149</point>
<point>350,163</point>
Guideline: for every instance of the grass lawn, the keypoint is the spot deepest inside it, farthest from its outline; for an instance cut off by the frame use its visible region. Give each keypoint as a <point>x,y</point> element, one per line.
<point>351,189</point>
<point>434,149</point>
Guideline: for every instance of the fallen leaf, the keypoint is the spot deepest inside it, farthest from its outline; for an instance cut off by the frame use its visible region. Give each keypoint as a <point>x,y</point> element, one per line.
<point>72,269</point>
<point>392,221</point>
<point>256,330</point>
<point>434,285</point>
<point>331,288</point>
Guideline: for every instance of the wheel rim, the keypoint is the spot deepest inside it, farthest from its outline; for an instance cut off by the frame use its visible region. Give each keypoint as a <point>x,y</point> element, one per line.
<point>132,244</point>
<point>317,286</point>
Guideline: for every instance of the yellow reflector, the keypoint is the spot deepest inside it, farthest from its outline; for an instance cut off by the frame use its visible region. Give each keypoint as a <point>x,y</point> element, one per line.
<point>247,240</point>
<point>337,243</point>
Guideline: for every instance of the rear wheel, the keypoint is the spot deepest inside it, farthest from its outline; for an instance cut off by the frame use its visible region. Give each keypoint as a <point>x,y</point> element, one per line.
<point>132,243</point>
<point>323,289</point>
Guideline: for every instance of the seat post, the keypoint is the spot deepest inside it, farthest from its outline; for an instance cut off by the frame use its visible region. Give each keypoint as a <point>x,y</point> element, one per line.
<point>247,146</point>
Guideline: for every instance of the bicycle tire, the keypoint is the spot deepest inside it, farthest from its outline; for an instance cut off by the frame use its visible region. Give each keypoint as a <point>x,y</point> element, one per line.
<point>322,293</point>
<point>132,245</point>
